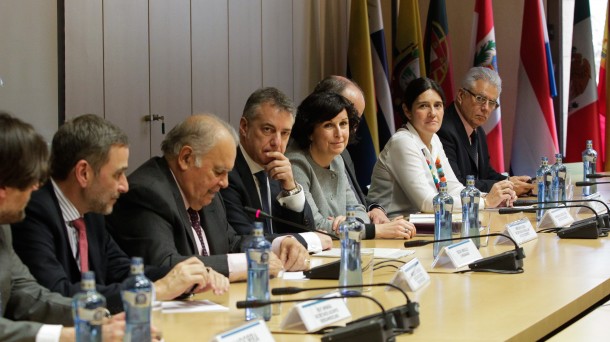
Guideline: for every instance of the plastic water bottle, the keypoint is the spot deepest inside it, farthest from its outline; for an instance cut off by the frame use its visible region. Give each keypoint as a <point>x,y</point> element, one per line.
<point>559,172</point>
<point>258,250</point>
<point>589,164</point>
<point>88,310</point>
<point>137,293</point>
<point>543,179</point>
<point>443,205</point>
<point>471,197</point>
<point>351,267</point>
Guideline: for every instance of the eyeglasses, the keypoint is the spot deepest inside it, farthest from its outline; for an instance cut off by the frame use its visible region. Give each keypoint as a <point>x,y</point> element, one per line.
<point>482,100</point>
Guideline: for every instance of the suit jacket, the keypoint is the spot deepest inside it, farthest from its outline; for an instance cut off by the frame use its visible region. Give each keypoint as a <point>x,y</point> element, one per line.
<point>456,143</point>
<point>25,304</point>
<point>151,221</point>
<point>242,192</point>
<point>42,243</point>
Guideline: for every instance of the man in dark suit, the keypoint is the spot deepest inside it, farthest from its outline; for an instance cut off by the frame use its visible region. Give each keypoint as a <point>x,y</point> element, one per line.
<point>174,209</point>
<point>28,311</point>
<point>262,177</point>
<point>88,162</point>
<point>463,138</point>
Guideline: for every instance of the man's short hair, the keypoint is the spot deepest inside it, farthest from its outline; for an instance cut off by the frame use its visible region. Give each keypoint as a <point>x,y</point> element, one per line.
<point>269,95</point>
<point>482,73</point>
<point>87,137</point>
<point>23,154</point>
<point>201,135</point>
<point>335,84</point>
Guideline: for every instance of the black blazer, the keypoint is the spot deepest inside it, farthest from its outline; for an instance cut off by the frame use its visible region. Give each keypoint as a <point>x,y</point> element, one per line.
<point>456,142</point>
<point>151,221</point>
<point>42,243</point>
<point>242,192</point>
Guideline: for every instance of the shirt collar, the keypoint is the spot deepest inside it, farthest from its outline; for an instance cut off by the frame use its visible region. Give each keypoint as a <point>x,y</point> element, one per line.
<point>187,205</point>
<point>68,210</point>
<point>254,166</point>
<point>467,126</point>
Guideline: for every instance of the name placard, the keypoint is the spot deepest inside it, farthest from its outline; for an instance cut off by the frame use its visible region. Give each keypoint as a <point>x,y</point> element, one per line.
<point>557,217</point>
<point>459,254</point>
<point>598,207</point>
<point>252,331</point>
<point>316,314</point>
<point>412,276</point>
<point>521,231</point>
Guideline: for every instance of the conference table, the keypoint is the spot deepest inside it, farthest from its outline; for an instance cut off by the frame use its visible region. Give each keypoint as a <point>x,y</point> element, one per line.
<point>562,278</point>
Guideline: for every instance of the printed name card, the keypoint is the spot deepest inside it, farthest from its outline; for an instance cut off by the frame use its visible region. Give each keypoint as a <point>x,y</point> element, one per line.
<point>598,207</point>
<point>557,217</point>
<point>521,231</point>
<point>412,276</point>
<point>316,314</point>
<point>253,331</point>
<point>458,254</point>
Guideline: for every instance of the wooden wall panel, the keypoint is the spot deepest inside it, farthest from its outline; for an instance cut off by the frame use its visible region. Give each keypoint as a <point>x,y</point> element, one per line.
<point>170,65</point>
<point>84,51</point>
<point>245,57</point>
<point>126,72</point>
<point>277,45</point>
<point>210,56</point>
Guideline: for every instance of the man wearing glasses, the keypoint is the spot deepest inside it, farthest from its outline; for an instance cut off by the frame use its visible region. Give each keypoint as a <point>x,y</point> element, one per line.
<point>463,138</point>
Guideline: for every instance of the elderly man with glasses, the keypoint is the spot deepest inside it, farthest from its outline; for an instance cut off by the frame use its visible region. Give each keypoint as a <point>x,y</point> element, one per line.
<point>463,138</point>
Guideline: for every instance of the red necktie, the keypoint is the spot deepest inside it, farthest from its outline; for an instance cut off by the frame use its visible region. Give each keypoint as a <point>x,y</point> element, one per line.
<point>83,246</point>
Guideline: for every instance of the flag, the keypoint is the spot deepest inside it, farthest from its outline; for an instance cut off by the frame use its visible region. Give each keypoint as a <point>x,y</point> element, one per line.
<point>360,69</point>
<point>602,94</point>
<point>583,117</point>
<point>408,53</point>
<point>437,50</point>
<point>534,133</point>
<point>484,48</point>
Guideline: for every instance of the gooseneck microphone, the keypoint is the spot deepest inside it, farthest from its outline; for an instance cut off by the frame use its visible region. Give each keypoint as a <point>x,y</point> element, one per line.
<point>511,261</point>
<point>259,213</point>
<point>584,229</point>
<point>404,318</point>
<point>589,183</point>
<point>377,328</point>
<point>603,220</point>
<point>596,175</point>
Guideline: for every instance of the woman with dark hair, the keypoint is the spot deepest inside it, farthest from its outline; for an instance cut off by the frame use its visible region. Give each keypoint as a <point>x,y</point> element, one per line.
<point>409,169</point>
<point>324,125</point>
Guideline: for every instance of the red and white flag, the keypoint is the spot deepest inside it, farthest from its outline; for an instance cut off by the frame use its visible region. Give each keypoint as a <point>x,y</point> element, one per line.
<point>534,133</point>
<point>484,48</point>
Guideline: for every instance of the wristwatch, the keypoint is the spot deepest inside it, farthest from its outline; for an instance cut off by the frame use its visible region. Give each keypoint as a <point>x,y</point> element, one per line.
<point>296,190</point>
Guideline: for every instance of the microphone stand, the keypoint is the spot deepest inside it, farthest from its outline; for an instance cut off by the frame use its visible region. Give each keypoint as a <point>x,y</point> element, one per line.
<point>603,220</point>
<point>507,261</point>
<point>259,213</point>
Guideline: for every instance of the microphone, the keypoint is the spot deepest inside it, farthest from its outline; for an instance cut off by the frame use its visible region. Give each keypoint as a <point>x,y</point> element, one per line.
<point>404,318</point>
<point>507,261</point>
<point>579,230</point>
<point>596,175</point>
<point>377,328</point>
<point>259,213</point>
<point>604,221</point>
<point>590,183</point>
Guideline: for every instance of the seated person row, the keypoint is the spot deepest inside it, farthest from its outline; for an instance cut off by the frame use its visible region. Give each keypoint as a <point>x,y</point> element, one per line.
<point>174,209</point>
<point>89,157</point>
<point>406,176</point>
<point>463,137</point>
<point>326,121</point>
<point>29,311</point>
<point>262,177</point>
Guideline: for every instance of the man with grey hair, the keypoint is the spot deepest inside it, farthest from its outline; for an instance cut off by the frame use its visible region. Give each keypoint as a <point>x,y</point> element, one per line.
<point>463,138</point>
<point>174,209</point>
<point>262,177</point>
<point>64,232</point>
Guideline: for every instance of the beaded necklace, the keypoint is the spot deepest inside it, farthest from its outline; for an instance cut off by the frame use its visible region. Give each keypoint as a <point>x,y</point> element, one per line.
<point>439,171</point>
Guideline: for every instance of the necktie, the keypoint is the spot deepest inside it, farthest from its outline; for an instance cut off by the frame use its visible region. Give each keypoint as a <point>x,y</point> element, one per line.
<point>83,246</point>
<point>473,147</point>
<point>196,224</point>
<point>263,185</point>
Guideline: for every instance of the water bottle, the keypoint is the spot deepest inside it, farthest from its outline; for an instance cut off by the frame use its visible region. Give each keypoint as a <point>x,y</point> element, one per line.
<point>88,310</point>
<point>350,232</point>
<point>137,293</point>
<point>589,164</point>
<point>470,210</point>
<point>559,172</point>
<point>443,205</point>
<point>258,250</point>
<point>543,179</point>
